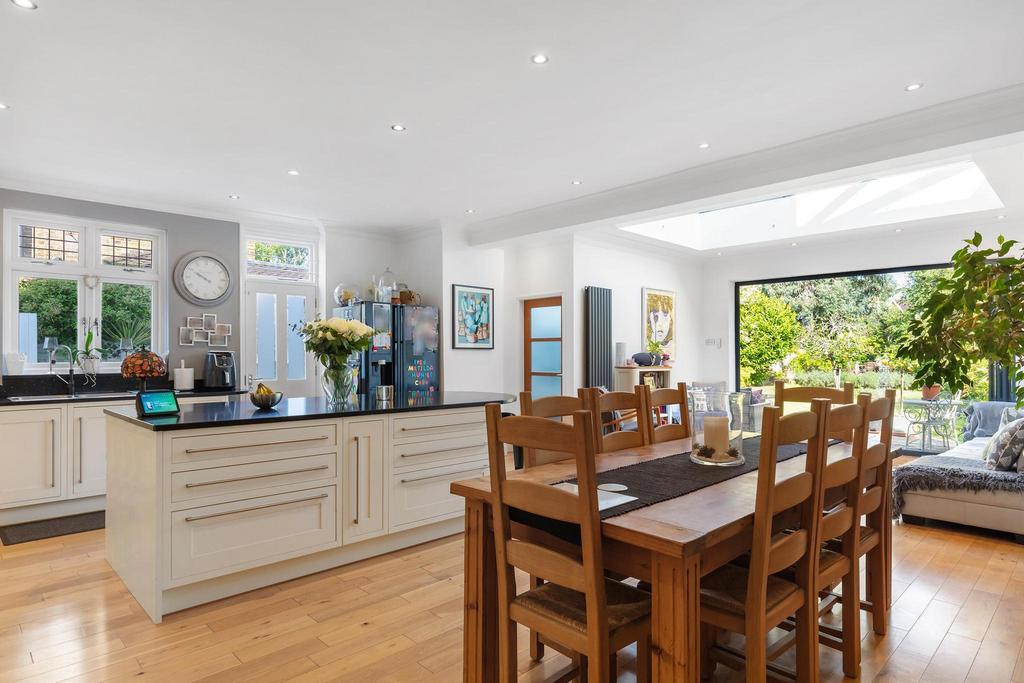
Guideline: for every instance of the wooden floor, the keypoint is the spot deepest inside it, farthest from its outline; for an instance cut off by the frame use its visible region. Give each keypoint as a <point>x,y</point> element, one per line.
<point>64,615</point>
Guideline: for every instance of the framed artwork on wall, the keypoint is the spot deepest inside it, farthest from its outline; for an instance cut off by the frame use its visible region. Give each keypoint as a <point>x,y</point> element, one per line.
<point>472,317</point>
<point>659,319</point>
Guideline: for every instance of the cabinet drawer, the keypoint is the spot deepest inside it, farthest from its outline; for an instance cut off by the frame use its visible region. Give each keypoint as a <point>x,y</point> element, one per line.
<point>433,425</point>
<point>461,447</point>
<point>423,496</point>
<point>196,484</point>
<point>248,533</point>
<point>267,444</point>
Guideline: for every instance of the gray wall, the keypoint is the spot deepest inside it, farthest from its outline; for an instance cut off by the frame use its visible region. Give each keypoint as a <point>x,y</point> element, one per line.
<point>184,234</point>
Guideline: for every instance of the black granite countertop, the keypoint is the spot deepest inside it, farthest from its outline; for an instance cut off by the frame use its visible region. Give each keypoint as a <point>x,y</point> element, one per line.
<point>242,412</point>
<point>98,396</point>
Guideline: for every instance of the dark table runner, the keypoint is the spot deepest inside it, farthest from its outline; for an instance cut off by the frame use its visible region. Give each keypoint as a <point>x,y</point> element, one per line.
<point>655,481</point>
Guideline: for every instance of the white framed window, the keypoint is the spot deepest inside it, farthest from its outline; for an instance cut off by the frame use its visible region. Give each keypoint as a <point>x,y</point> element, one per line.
<point>282,260</point>
<point>68,279</point>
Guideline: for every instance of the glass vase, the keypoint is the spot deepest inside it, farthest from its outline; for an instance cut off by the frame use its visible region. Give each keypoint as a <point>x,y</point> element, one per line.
<point>339,382</point>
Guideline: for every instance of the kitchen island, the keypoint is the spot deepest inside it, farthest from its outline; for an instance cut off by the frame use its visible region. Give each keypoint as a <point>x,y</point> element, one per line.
<point>224,498</point>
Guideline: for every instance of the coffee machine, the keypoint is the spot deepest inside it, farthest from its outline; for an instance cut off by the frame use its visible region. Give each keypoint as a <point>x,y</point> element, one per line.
<point>219,370</point>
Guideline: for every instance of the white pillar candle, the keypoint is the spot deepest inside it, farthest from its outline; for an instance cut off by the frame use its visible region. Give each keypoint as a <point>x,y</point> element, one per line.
<point>716,434</point>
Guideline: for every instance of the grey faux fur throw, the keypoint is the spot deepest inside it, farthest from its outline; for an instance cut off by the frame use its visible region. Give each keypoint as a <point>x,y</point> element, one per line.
<point>939,472</point>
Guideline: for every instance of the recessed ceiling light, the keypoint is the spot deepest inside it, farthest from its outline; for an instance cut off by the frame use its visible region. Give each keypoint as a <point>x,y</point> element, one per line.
<point>25,4</point>
<point>704,145</point>
<point>470,210</point>
<point>398,128</point>
<point>233,196</point>
<point>577,182</point>
<point>718,253</point>
<point>1000,217</point>
<point>293,172</point>
<point>792,244</point>
<point>539,59</point>
<point>3,106</point>
<point>911,87</point>
<point>899,229</point>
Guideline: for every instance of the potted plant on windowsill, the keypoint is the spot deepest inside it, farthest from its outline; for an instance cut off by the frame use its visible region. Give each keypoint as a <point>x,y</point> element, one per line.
<point>974,313</point>
<point>88,359</point>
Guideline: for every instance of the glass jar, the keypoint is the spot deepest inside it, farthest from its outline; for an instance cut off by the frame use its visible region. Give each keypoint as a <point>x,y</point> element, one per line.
<point>707,403</point>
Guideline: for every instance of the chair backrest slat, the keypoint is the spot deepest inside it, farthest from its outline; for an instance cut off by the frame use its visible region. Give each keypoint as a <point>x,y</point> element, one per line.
<point>660,398</point>
<point>841,478</point>
<point>784,394</point>
<point>785,551</point>
<point>547,564</point>
<point>550,407</point>
<point>543,500</point>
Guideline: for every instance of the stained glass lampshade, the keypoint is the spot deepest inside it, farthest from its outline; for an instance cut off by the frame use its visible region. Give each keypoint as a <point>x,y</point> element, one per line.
<point>143,365</point>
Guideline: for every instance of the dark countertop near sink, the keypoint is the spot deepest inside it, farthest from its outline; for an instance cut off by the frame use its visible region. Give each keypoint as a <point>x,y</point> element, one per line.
<point>242,412</point>
<point>100,396</point>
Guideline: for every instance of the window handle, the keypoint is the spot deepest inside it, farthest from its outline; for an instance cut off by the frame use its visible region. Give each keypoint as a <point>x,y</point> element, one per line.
<point>134,270</point>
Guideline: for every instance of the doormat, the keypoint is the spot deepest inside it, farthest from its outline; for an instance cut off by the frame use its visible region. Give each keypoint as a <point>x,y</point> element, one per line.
<point>13,534</point>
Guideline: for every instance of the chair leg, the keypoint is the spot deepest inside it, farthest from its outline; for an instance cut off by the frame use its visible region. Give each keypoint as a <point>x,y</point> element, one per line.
<point>643,659</point>
<point>507,671</point>
<point>877,589</point>
<point>582,666</point>
<point>851,622</point>
<point>613,666</point>
<point>536,647</point>
<point>806,645</point>
<point>597,669</point>
<point>757,658</point>
<point>708,638</point>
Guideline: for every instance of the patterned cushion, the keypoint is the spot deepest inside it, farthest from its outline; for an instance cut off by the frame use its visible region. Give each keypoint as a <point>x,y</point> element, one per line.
<point>1003,451</point>
<point>1010,415</point>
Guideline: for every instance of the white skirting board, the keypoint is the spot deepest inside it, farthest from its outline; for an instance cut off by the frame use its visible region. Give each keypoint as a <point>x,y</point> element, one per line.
<point>57,508</point>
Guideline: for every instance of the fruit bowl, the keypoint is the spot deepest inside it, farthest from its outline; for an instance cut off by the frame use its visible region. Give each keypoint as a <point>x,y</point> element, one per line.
<point>265,401</point>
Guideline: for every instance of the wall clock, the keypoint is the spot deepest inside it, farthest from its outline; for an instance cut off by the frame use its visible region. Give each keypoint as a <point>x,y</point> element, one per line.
<point>203,279</point>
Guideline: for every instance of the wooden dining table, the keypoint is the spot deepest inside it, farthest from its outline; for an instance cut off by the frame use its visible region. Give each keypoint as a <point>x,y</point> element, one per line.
<point>670,544</point>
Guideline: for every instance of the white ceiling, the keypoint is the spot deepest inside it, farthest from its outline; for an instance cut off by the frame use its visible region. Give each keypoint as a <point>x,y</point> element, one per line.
<point>183,103</point>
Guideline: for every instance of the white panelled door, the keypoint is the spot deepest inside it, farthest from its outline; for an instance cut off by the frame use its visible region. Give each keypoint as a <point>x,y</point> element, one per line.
<point>274,353</point>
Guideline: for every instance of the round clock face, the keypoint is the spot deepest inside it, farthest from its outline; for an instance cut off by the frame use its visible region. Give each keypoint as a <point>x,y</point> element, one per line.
<point>203,279</point>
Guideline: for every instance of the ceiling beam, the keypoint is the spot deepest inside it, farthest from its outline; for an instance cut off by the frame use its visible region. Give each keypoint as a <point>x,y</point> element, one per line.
<point>983,116</point>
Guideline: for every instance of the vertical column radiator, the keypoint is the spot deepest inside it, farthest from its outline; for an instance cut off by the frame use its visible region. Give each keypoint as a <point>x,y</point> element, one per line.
<point>598,343</point>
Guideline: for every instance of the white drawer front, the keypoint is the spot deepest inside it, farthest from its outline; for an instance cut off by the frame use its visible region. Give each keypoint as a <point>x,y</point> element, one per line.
<point>249,533</point>
<point>266,444</point>
<point>419,453</point>
<point>433,425</point>
<point>214,481</point>
<point>423,496</point>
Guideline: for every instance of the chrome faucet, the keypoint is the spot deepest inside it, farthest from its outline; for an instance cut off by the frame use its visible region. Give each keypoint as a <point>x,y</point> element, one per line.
<point>70,381</point>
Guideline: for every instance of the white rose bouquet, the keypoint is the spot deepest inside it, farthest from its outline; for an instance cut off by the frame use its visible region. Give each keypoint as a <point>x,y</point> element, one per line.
<point>332,342</point>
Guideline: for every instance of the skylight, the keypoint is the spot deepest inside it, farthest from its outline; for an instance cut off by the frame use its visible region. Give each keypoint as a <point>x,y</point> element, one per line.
<point>948,189</point>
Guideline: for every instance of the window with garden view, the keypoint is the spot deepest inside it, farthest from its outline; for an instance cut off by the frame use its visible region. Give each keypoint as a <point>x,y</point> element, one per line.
<point>831,330</point>
<point>90,287</point>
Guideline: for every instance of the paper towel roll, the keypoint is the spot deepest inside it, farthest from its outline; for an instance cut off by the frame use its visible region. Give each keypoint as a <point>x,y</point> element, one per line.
<point>184,379</point>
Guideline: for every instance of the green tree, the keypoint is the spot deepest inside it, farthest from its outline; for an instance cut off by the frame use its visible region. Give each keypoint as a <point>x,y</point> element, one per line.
<point>55,305</point>
<point>849,299</point>
<point>769,331</point>
<point>839,342</point>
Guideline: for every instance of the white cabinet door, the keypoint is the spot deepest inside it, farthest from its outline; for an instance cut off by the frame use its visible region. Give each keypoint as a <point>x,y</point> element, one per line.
<point>363,478</point>
<point>88,451</point>
<point>30,469</point>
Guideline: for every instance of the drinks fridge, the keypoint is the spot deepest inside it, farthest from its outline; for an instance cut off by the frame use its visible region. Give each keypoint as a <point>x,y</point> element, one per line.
<point>416,349</point>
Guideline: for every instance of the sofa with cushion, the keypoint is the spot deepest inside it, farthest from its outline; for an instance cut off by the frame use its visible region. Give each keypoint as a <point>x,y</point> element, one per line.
<point>979,482</point>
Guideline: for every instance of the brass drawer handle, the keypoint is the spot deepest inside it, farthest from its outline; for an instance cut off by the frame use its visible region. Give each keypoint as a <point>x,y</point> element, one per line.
<point>197,484</point>
<point>453,424</point>
<point>442,450</point>
<point>438,476</point>
<point>255,507</point>
<point>254,445</point>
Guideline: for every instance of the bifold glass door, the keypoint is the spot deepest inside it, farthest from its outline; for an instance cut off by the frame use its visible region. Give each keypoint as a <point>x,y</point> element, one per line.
<point>274,351</point>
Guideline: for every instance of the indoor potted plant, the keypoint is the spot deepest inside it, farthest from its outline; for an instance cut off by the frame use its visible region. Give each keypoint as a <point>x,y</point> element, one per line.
<point>88,359</point>
<point>974,313</point>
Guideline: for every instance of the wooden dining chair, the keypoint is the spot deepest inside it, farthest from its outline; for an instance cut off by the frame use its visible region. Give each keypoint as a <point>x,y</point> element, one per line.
<point>549,407</point>
<point>753,600</point>
<point>661,398</point>
<point>873,517</point>
<point>784,394</point>
<point>577,607</point>
<point>622,406</point>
